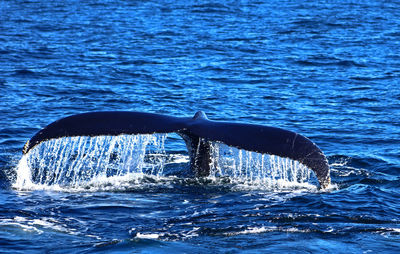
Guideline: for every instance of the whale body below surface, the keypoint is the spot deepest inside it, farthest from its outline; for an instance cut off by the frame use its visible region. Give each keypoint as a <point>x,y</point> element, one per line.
<point>197,131</point>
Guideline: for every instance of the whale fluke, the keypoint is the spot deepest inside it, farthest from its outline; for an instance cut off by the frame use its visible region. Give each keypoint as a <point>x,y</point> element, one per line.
<point>197,131</point>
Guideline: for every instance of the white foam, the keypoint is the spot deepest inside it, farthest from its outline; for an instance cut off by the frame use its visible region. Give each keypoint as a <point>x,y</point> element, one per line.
<point>38,226</point>
<point>178,158</point>
<point>266,229</point>
<point>147,236</point>
<point>24,175</point>
<point>389,231</point>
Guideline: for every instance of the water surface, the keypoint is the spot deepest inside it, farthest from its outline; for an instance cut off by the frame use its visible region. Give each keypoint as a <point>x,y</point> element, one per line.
<point>326,69</point>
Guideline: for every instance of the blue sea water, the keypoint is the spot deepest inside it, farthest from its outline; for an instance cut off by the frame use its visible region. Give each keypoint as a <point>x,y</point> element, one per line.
<point>329,70</point>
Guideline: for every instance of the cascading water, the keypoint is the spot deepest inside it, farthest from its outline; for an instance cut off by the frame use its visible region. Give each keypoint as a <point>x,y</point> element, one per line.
<point>253,168</point>
<point>76,161</point>
<point>72,161</point>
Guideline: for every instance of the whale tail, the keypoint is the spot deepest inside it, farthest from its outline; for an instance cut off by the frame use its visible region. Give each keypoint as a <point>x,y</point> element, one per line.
<point>197,132</point>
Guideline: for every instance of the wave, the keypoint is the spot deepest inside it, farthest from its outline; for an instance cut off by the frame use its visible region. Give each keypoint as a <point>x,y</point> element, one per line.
<point>37,226</point>
<point>25,73</point>
<point>329,62</point>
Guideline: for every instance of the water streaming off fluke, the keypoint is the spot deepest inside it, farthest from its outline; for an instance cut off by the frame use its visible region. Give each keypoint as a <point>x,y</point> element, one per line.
<point>72,161</point>
<point>257,169</point>
<point>76,161</point>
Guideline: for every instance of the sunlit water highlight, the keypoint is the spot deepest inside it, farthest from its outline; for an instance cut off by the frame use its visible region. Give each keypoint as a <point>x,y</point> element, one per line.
<point>112,162</point>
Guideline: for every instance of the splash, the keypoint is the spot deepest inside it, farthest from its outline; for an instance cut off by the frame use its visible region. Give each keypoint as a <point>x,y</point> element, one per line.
<point>24,178</point>
<point>119,163</point>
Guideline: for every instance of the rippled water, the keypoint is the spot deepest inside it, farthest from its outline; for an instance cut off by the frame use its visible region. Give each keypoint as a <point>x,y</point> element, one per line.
<point>326,69</point>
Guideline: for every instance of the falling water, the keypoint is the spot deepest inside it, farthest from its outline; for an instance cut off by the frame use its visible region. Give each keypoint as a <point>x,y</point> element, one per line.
<point>255,168</point>
<point>75,161</point>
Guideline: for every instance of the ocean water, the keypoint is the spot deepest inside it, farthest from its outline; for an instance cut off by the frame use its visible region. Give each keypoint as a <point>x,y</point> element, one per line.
<point>329,70</point>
